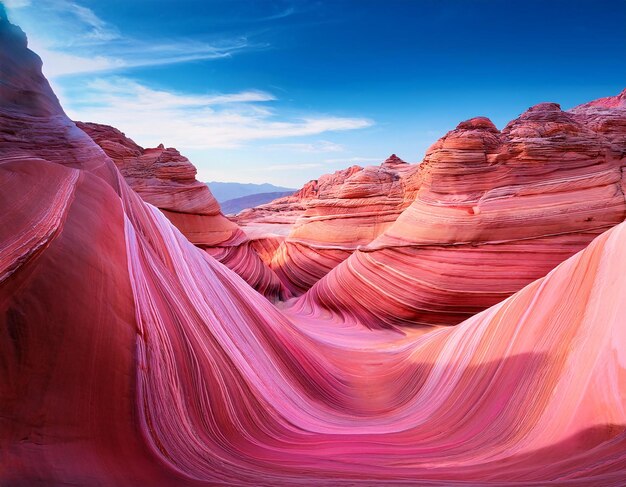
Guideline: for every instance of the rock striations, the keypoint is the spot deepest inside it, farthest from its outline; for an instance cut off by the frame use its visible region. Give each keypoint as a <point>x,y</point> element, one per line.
<point>328,219</point>
<point>605,116</point>
<point>167,180</point>
<point>494,211</point>
<point>129,356</point>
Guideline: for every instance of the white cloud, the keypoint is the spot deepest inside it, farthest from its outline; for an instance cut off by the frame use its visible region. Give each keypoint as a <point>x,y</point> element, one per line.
<point>58,63</point>
<point>354,159</point>
<point>153,116</point>
<point>287,167</point>
<point>78,25</point>
<point>115,90</point>
<point>321,146</point>
<point>97,29</point>
<point>71,39</point>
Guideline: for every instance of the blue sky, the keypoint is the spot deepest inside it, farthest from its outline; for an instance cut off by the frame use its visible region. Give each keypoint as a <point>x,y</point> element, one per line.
<point>282,91</point>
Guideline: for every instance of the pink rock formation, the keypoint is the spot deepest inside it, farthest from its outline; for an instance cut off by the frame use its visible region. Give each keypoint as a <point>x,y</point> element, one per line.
<point>605,116</point>
<point>334,216</point>
<point>131,357</point>
<point>494,211</point>
<point>279,216</point>
<point>167,180</point>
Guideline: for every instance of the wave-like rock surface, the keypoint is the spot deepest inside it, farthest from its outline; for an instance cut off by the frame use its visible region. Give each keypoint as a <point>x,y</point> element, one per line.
<point>494,211</point>
<point>329,219</point>
<point>129,356</point>
<point>167,180</point>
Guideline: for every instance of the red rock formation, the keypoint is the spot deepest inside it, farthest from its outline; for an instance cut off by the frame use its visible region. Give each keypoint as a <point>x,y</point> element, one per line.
<point>494,211</point>
<point>167,180</point>
<point>605,116</point>
<point>333,216</point>
<point>279,216</point>
<point>67,320</point>
<point>129,357</point>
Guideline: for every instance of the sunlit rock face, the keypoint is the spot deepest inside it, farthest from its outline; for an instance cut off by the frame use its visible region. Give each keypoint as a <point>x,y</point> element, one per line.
<point>163,178</point>
<point>494,211</point>
<point>279,216</point>
<point>329,219</point>
<point>131,357</point>
<point>167,180</point>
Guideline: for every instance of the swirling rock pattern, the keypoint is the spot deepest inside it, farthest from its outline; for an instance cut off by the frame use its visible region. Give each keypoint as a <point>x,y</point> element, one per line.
<point>333,217</point>
<point>131,357</point>
<point>494,211</point>
<point>167,180</point>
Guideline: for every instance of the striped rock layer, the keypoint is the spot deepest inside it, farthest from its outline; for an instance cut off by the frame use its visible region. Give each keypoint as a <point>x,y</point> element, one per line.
<point>495,210</point>
<point>328,219</point>
<point>131,357</point>
<point>167,180</point>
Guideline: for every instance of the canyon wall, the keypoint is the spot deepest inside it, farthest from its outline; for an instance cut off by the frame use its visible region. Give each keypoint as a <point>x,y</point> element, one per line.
<point>130,356</point>
<point>167,180</point>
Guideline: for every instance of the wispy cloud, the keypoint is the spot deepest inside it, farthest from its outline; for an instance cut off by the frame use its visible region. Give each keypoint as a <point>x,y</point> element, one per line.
<point>295,166</point>
<point>81,26</point>
<point>153,116</point>
<point>278,15</point>
<point>321,146</point>
<point>71,39</point>
<point>354,159</point>
<point>96,29</point>
<point>113,91</point>
<point>62,63</point>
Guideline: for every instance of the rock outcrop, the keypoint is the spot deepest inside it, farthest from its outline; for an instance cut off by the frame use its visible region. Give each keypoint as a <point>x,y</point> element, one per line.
<point>328,219</point>
<point>605,116</point>
<point>167,180</point>
<point>129,356</point>
<point>494,211</point>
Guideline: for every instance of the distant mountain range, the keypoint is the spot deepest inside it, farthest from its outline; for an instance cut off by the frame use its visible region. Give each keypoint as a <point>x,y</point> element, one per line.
<point>234,206</point>
<point>230,191</point>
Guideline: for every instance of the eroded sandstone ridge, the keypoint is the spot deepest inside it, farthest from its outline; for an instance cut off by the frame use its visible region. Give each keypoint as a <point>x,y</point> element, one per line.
<point>130,356</point>
<point>167,180</point>
<point>487,212</point>
<point>328,219</point>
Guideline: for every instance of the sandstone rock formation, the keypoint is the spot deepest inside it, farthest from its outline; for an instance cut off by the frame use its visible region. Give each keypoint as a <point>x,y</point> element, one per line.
<point>167,180</point>
<point>129,356</point>
<point>328,219</point>
<point>605,116</point>
<point>494,211</point>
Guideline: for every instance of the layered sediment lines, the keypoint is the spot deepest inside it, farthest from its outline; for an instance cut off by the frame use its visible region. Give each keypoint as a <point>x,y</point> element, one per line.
<point>605,116</point>
<point>528,391</point>
<point>494,211</point>
<point>333,217</point>
<point>131,357</point>
<point>167,180</point>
